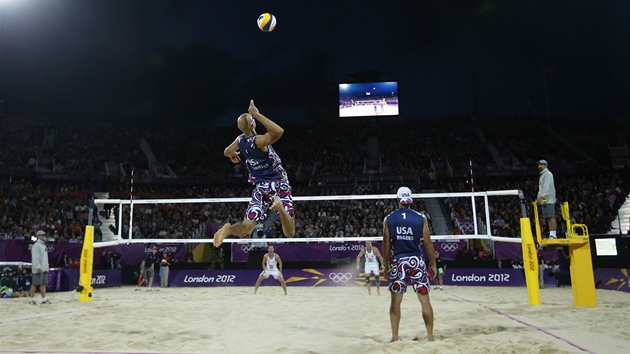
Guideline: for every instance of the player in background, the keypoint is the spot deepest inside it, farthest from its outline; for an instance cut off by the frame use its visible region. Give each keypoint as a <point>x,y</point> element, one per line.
<point>272,266</point>
<point>372,266</point>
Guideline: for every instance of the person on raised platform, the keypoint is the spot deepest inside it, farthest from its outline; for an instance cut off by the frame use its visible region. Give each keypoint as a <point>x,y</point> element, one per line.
<point>546,197</point>
<point>272,189</point>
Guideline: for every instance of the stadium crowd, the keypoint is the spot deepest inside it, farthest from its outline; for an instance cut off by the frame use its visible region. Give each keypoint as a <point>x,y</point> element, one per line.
<point>50,172</point>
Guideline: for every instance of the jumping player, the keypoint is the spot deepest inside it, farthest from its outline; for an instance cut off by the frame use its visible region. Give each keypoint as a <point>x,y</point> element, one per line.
<point>272,266</point>
<point>372,258</point>
<point>272,189</point>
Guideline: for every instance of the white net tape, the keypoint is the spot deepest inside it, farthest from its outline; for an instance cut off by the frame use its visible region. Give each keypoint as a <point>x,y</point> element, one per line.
<point>476,233</point>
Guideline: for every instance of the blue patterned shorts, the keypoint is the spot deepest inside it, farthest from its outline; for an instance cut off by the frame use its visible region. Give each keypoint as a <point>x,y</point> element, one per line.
<point>262,198</point>
<point>409,271</point>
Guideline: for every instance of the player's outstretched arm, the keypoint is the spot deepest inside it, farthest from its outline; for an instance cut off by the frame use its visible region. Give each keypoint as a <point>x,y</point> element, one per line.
<point>359,256</point>
<point>274,131</point>
<point>232,151</point>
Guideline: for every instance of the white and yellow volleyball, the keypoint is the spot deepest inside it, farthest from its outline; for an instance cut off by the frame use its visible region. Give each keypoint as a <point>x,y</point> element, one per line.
<point>266,22</point>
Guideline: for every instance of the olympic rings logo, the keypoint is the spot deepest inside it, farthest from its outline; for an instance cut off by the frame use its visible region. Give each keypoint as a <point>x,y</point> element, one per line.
<point>247,248</point>
<point>363,187</point>
<point>340,277</point>
<point>449,246</point>
<point>466,226</point>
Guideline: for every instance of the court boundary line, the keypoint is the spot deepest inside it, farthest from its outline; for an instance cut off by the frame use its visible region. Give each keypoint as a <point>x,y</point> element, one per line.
<point>524,323</point>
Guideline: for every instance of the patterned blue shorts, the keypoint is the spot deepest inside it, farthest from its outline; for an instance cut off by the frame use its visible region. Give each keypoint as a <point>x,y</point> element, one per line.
<point>409,271</point>
<point>262,198</point>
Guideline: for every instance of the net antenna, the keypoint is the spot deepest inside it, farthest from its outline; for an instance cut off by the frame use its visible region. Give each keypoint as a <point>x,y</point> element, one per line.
<point>476,234</point>
<point>130,207</point>
<point>474,206</point>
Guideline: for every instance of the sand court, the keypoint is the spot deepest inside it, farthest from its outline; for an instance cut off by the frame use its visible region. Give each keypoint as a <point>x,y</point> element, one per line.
<point>313,320</point>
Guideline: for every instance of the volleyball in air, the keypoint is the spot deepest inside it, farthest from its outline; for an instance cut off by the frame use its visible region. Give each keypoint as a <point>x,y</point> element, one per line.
<point>266,22</point>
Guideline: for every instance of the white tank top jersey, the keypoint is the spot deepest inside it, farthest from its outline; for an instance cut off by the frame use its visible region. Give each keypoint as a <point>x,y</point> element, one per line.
<point>271,263</point>
<point>370,257</point>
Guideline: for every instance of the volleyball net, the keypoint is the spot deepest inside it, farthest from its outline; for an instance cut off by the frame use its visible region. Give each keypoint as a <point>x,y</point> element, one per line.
<point>346,217</point>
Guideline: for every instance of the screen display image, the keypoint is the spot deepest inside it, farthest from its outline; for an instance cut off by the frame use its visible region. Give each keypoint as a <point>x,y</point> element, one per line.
<point>368,99</point>
<point>606,246</point>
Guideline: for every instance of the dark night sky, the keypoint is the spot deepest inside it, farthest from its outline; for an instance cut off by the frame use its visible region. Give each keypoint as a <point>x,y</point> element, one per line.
<point>199,62</point>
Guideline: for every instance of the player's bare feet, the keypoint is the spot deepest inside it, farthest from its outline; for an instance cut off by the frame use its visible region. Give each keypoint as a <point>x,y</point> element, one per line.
<point>429,338</point>
<point>277,203</point>
<point>221,234</point>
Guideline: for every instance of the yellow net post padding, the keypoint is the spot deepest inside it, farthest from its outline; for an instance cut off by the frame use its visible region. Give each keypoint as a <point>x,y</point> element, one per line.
<point>86,264</point>
<point>581,268</point>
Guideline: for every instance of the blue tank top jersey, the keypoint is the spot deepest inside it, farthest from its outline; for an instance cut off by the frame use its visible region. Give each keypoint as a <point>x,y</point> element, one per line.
<point>405,232</point>
<point>263,166</point>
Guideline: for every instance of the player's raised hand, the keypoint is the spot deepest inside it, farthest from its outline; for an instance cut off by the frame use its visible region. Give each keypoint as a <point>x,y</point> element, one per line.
<point>253,110</point>
<point>235,158</point>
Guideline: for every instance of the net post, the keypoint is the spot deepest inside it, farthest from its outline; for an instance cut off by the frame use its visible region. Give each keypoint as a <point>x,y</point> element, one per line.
<point>521,198</point>
<point>91,211</point>
<point>86,264</point>
<point>530,262</point>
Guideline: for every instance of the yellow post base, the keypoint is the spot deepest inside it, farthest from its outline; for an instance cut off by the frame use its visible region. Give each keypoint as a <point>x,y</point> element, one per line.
<point>581,268</point>
<point>86,264</point>
<point>530,262</point>
<point>582,277</point>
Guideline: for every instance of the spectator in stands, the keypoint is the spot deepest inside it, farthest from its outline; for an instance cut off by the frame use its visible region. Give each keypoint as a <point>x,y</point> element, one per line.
<point>7,284</point>
<point>109,260</point>
<point>64,262</point>
<point>554,271</point>
<point>23,280</point>
<point>216,254</point>
<point>541,268</point>
<point>498,226</point>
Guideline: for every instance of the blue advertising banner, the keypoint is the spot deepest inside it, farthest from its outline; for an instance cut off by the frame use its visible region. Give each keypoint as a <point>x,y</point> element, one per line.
<point>345,277</point>
<point>612,279</point>
<point>68,279</point>
<point>293,277</point>
<point>325,252</point>
<point>19,250</point>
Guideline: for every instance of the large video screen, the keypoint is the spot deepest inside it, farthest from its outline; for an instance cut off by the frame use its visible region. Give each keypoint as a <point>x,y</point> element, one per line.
<point>368,99</point>
<point>606,246</point>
